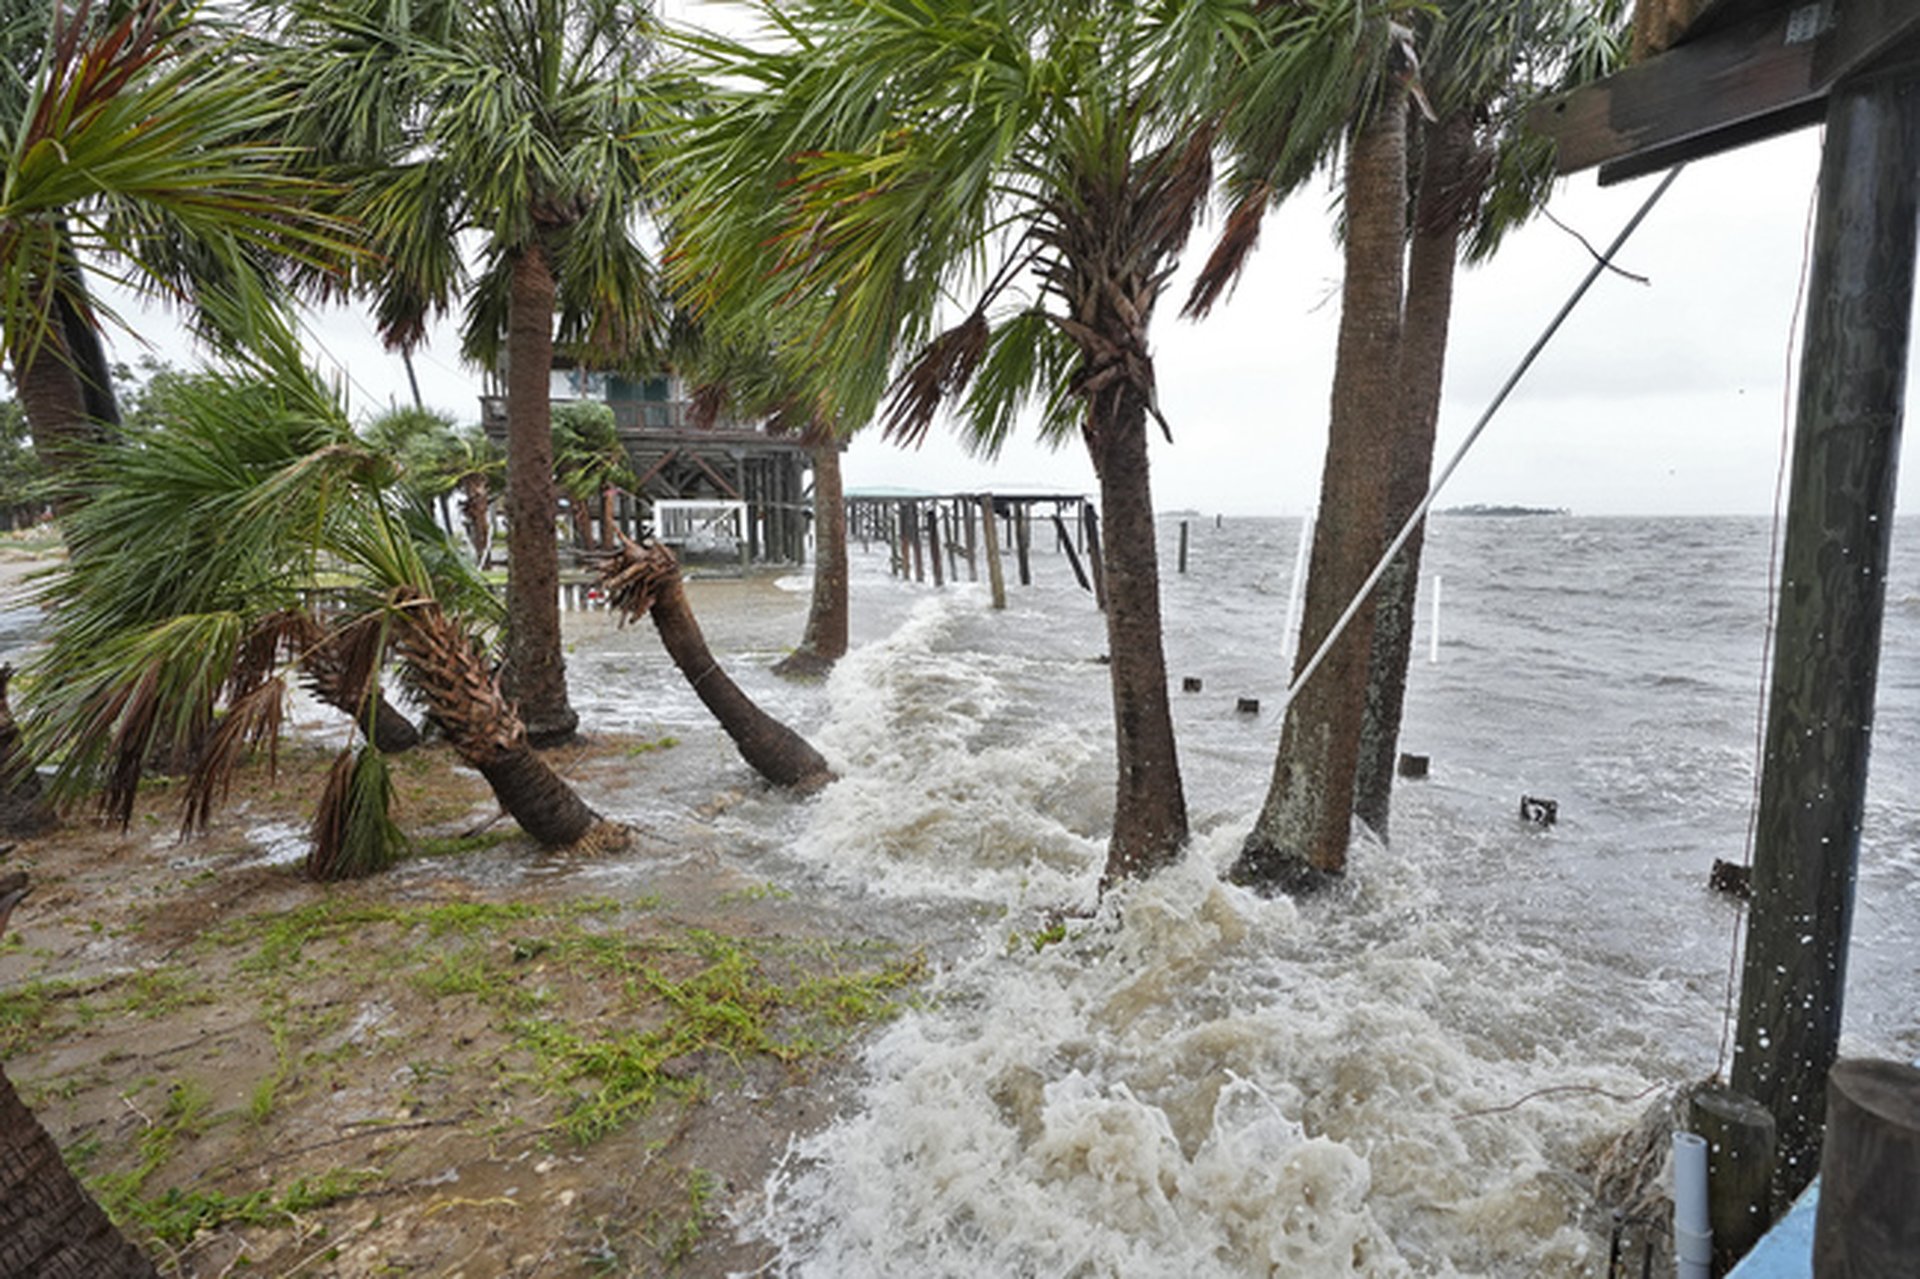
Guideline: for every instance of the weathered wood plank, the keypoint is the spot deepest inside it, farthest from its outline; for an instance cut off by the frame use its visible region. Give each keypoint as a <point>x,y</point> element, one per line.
<point>1766,75</point>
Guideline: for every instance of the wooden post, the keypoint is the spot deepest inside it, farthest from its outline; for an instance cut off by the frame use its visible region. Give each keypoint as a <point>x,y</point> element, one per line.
<point>1073,556</point>
<point>1833,594</point>
<point>903,529</point>
<point>966,512</point>
<point>933,544</point>
<point>1023,542</point>
<point>1740,1156</point>
<point>912,533</point>
<point>1183,546</point>
<point>1095,559</point>
<point>1866,1225</point>
<point>996,582</point>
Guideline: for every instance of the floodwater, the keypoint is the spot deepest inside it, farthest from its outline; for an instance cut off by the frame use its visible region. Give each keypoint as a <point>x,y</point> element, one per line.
<point>1411,1077</point>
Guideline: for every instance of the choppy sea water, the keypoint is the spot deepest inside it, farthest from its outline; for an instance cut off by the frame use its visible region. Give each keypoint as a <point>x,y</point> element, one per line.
<point>1198,1082</point>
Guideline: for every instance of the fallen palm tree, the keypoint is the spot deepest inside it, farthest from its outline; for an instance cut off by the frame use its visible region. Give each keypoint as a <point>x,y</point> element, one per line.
<point>643,579</point>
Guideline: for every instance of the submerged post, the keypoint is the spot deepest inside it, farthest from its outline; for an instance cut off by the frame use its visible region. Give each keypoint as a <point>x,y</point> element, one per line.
<point>1183,546</point>
<point>1827,633</point>
<point>996,581</point>
<point>1023,543</point>
<point>933,545</point>
<point>1095,560</point>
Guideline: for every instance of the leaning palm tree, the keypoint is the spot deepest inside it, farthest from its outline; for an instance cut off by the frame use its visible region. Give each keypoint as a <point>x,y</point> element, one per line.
<point>517,122</point>
<point>173,638</point>
<point>1042,163</point>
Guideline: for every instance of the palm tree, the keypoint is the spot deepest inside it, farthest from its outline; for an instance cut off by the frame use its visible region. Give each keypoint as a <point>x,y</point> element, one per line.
<point>1044,164</point>
<point>1480,173</point>
<point>1341,730</point>
<point>644,580</point>
<point>50,1227</point>
<point>518,122</point>
<point>171,637</point>
<point>1300,837</point>
<point>125,129</point>
<point>588,460</point>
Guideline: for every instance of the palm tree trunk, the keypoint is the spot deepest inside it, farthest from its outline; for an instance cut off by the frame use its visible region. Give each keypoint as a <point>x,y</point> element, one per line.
<point>474,512</point>
<point>1300,838</point>
<point>23,808</point>
<point>1447,191</point>
<point>825,640</point>
<point>50,1228</point>
<point>1150,805</point>
<point>536,670</point>
<point>444,667</point>
<point>646,579</point>
<point>56,407</point>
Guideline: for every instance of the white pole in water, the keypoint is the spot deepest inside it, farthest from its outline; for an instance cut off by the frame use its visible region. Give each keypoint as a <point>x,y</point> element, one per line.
<point>1433,632</point>
<point>1692,1230</point>
<point>1290,633</point>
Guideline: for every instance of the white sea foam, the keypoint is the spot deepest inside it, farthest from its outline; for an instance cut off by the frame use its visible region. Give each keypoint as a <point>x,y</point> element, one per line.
<point>1199,1082</point>
<point>953,778</point>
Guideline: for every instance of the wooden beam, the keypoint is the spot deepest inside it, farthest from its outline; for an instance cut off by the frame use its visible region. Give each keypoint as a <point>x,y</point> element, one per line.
<point>1754,79</point>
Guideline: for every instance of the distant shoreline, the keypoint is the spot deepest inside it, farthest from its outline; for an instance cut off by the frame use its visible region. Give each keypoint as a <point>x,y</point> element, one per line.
<point>1484,511</point>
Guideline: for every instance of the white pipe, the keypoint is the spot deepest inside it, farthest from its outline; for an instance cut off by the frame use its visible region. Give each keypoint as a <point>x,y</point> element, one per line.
<point>1290,632</point>
<point>1692,1231</point>
<point>1433,637</point>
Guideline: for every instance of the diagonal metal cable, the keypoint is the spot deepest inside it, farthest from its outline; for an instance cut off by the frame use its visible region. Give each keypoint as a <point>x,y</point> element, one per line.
<point>1600,267</point>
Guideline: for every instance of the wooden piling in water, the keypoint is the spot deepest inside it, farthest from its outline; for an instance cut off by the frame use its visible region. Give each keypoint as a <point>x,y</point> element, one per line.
<point>933,545</point>
<point>1827,634</point>
<point>1740,1154</point>
<point>1095,559</point>
<point>968,512</point>
<point>996,582</point>
<point>1073,556</point>
<point>1023,543</point>
<point>1865,1225</point>
<point>1183,546</point>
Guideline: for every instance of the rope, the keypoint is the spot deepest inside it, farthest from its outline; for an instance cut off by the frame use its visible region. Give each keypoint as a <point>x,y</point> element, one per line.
<point>1601,266</point>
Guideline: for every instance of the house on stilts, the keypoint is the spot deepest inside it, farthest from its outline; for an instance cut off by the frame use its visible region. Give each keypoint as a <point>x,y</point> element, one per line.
<point>730,492</point>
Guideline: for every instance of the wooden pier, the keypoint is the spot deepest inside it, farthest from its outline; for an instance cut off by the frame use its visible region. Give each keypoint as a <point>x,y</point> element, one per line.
<point>937,536</point>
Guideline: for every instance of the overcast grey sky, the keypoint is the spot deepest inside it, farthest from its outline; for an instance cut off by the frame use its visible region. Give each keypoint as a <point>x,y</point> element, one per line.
<point>1663,397</point>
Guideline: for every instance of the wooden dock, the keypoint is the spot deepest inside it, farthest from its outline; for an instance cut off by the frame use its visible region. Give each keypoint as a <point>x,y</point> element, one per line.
<point>937,535</point>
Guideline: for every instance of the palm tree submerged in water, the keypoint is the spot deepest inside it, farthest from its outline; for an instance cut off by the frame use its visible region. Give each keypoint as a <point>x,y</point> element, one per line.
<point>1044,162</point>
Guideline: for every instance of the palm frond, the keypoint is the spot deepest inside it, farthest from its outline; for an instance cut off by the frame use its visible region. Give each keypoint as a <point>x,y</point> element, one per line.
<point>354,834</point>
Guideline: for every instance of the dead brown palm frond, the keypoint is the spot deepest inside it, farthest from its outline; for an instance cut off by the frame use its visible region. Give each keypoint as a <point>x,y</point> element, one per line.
<point>353,835</point>
<point>634,574</point>
<point>943,369</point>
<point>252,721</point>
<point>708,402</point>
<point>1182,181</point>
<point>258,657</point>
<point>1230,255</point>
<point>340,663</point>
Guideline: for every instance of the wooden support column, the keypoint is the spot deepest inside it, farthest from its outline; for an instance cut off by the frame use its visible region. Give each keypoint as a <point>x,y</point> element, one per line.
<point>1023,542</point>
<point>967,513</point>
<point>1073,556</point>
<point>996,583</point>
<point>1740,1159</point>
<point>910,518</point>
<point>1866,1225</point>
<point>1096,558</point>
<point>1832,597</point>
<point>933,544</point>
